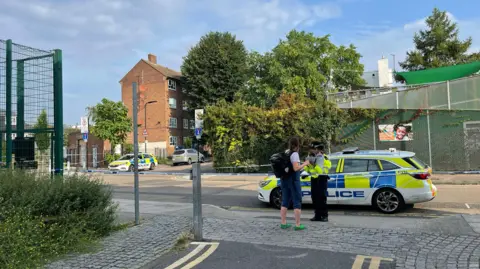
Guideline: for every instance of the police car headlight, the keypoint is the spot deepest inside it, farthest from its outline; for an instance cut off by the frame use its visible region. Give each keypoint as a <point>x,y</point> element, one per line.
<point>264,183</point>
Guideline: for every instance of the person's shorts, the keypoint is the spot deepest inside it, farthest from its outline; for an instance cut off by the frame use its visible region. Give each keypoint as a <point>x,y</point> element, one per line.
<point>291,192</point>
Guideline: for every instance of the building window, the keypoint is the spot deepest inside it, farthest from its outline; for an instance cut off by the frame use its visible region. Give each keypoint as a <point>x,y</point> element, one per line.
<point>173,122</point>
<point>192,124</point>
<point>172,102</point>
<point>173,140</point>
<point>184,105</point>
<point>172,85</point>
<point>185,124</point>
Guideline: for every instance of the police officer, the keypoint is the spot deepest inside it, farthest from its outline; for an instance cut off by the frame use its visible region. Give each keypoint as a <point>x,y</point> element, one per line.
<point>318,170</point>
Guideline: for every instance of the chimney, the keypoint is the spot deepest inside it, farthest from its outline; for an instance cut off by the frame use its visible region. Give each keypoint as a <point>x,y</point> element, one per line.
<point>152,58</point>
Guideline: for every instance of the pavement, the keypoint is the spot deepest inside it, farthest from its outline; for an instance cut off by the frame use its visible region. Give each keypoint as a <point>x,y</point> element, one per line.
<point>241,232</point>
<point>443,242</point>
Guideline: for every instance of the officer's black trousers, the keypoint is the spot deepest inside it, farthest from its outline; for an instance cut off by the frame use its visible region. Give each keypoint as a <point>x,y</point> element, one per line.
<point>319,195</point>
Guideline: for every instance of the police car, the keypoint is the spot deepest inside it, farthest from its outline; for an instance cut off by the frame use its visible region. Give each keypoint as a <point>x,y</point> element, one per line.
<point>125,163</point>
<point>389,180</point>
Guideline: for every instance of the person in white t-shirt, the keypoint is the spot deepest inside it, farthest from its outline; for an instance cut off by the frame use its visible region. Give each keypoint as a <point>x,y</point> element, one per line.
<point>291,187</point>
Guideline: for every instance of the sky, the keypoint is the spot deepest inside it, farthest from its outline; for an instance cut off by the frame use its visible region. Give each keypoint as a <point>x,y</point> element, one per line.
<point>102,40</point>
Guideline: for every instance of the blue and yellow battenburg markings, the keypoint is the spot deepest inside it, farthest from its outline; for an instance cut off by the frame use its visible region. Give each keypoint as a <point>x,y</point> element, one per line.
<point>392,179</point>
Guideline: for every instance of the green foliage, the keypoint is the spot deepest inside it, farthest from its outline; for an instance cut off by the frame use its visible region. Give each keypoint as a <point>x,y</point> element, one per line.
<point>244,135</point>
<point>164,161</point>
<point>111,121</point>
<point>66,132</point>
<point>109,157</point>
<point>214,69</point>
<point>187,142</point>
<point>438,45</point>
<point>43,218</point>
<point>43,138</point>
<point>127,148</point>
<point>301,64</point>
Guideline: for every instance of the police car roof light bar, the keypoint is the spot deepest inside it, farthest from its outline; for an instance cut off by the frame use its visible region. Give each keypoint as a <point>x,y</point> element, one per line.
<point>351,150</point>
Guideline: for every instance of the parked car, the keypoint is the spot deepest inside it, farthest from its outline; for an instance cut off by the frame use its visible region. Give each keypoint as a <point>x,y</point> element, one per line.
<point>125,163</point>
<point>387,180</point>
<point>187,156</point>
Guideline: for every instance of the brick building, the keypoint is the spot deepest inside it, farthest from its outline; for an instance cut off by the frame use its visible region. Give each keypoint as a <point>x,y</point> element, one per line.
<point>77,151</point>
<point>160,94</point>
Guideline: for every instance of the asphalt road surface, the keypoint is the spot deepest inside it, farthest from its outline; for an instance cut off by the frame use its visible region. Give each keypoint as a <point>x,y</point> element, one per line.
<point>240,193</point>
<point>219,255</point>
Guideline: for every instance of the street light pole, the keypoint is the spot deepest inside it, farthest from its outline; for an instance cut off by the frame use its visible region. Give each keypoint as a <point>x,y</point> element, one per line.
<point>393,62</point>
<point>145,135</point>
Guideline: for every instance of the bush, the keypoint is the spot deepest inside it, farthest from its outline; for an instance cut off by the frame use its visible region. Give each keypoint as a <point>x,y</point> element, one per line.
<point>111,157</point>
<point>45,217</point>
<point>164,161</point>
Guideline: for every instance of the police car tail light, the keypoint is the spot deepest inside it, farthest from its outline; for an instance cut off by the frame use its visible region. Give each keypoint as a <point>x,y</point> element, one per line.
<point>421,176</point>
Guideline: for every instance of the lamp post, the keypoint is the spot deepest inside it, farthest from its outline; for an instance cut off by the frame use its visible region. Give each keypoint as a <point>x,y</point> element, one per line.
<point>145,134</point>
<point>393,62</point>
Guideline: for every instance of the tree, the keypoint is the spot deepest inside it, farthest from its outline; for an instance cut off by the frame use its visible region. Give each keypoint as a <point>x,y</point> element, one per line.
<point>66,132</point>
<point>111,121</point>
<point>214,69</point>
<point>438,45</point>
<point>42,138</point>
<point>301,64</point>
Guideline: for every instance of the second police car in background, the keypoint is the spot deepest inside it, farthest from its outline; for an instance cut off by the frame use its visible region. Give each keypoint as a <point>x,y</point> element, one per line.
<point>125,163</point>
<point>389,180</point>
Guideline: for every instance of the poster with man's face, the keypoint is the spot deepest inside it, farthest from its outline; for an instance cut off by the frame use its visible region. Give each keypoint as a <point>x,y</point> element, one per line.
<point>395,132</point>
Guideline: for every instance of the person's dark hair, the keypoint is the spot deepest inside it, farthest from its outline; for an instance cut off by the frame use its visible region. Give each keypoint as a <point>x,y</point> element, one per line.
<point>408,128</point>
<point>294,144</point>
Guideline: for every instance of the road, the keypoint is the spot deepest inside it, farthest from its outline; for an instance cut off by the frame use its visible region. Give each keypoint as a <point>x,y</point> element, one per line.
<point>233,255</point>
<point>239,193</point>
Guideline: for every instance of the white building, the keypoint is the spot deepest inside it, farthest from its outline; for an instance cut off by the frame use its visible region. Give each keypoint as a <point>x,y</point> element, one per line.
<point>382,77</point>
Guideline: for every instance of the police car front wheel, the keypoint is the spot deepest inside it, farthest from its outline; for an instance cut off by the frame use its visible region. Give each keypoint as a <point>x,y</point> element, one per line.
<point>276,198</point>
<point>388,201</point>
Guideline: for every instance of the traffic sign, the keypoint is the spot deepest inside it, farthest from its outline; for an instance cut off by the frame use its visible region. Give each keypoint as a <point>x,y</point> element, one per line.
<point>198,133</point>
<point>84,125</point>
<point>85,137</point>
<point>145,133</point>
<point>198,118</point>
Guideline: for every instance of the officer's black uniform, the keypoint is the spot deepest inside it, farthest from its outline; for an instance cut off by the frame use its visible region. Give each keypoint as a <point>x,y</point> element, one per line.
<point>319,185</point>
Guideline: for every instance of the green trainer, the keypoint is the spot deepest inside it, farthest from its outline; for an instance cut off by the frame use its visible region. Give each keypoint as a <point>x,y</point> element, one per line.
<point>300,227</point>
<point>285,226</point>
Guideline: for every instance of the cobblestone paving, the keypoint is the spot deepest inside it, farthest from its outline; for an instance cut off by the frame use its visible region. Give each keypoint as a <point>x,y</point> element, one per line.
<point>132,248</point>
<point>413,249</point>
<point>410,249</point>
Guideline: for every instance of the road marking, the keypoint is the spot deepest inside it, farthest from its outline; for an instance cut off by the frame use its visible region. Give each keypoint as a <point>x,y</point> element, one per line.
<point>374,262</point>
<point>202,257</point>
<point>204,243</point>
<point>186,257</point>
<point>467,205</point>
<point>199,259</point>
<point>294,256</point>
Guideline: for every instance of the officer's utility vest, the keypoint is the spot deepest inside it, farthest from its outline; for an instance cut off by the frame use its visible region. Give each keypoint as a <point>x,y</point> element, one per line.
<point>315,169</point>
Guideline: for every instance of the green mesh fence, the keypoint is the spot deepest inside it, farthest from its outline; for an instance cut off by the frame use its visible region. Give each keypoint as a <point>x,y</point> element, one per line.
<point>447,140</point>
<point>31,108</point>
<point>461,94</point>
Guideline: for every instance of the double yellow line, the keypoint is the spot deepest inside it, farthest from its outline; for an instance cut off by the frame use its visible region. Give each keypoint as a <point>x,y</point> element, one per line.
<point>200,246</point>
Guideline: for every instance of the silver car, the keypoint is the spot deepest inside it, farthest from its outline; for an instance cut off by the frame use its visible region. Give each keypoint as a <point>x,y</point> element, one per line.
<point>188,156</point>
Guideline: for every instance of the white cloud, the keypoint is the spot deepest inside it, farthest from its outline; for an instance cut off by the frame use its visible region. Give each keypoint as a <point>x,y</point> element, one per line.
<point>327,11</point>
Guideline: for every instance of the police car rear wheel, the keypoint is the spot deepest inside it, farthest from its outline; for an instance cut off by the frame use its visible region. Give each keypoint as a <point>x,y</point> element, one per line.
<point>388,201</point>
<point>276,198</point>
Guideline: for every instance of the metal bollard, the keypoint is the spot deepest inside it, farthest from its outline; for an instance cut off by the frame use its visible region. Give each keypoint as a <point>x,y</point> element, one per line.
<point>197,202</point>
